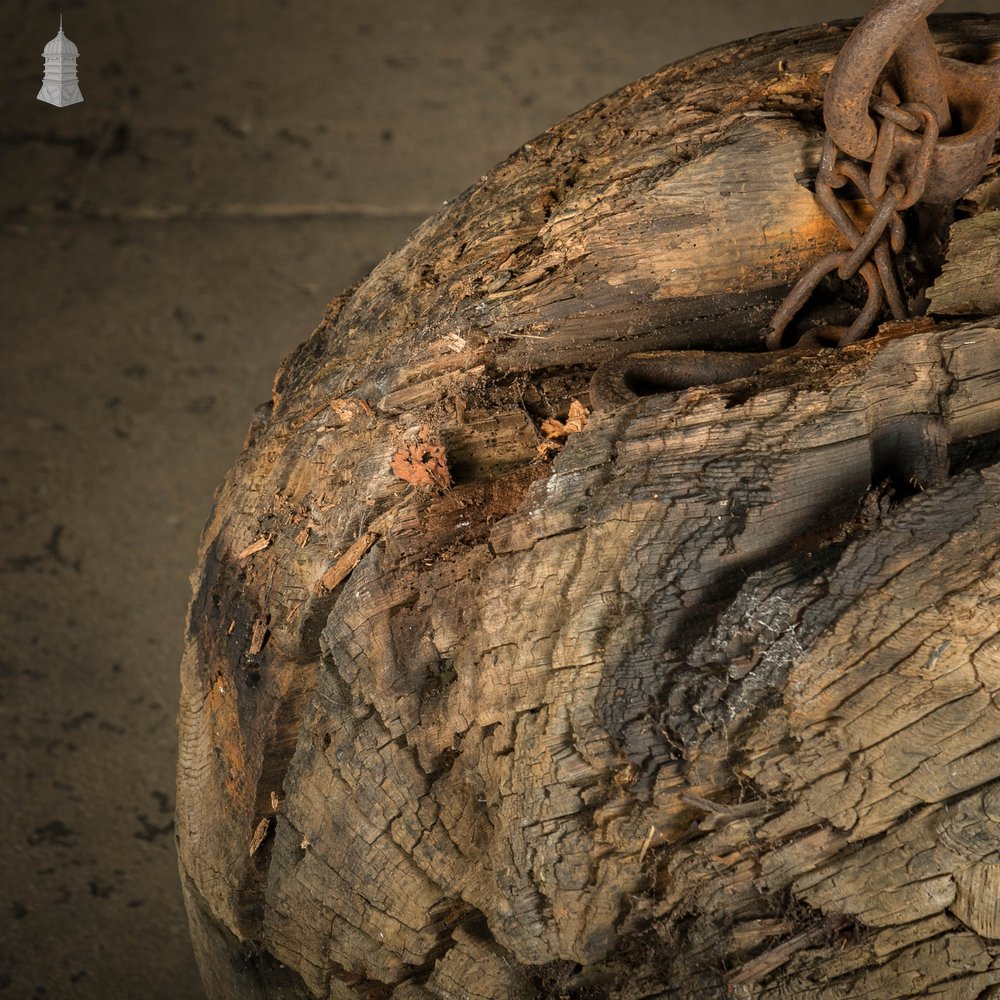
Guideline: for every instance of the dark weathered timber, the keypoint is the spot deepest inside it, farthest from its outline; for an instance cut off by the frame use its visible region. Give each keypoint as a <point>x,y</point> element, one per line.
<point>700,698</point>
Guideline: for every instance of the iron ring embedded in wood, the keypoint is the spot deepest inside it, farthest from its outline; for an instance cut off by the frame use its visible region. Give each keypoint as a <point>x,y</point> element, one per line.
<point>623,380</point>
<point>960,158</point>
<point>898,28</point>
<point>888,27</point>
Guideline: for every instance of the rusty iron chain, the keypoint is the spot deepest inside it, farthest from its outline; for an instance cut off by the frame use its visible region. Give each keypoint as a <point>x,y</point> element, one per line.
<point>873,248</point>
<point>904,126</point>
<point>895,152</point>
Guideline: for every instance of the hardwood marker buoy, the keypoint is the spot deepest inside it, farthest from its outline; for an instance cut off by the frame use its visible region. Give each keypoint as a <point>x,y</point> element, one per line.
<point>490,694</point>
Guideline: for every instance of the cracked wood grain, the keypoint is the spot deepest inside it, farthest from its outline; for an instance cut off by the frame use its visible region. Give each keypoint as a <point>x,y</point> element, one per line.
<point>968,282</point>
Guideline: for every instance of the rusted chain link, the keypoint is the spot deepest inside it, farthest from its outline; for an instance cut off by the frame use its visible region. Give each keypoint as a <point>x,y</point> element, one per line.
<point>873,248</point>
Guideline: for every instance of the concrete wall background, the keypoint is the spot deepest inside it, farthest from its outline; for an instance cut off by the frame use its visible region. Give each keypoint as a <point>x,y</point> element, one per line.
<point>162,246</point>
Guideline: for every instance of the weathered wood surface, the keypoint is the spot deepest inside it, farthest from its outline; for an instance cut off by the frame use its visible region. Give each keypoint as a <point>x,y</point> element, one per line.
<point>969,283</point>
<point>703,703</point>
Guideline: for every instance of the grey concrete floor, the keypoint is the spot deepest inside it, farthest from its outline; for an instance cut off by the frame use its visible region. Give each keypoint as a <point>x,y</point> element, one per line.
<point>162,246</point>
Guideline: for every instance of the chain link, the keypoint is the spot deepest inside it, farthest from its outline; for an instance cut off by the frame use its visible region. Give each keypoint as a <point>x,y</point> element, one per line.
<point>872,248</point>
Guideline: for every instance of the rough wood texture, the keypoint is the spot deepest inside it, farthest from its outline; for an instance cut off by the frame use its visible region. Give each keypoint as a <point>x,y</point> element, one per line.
<point>696,697</point>
<point>969,283</point>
